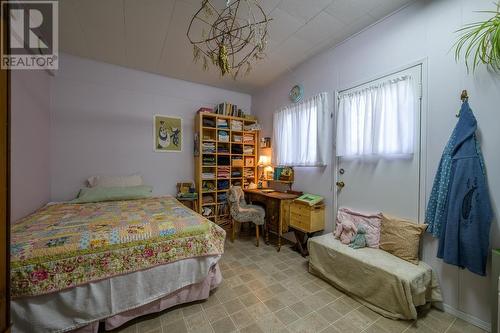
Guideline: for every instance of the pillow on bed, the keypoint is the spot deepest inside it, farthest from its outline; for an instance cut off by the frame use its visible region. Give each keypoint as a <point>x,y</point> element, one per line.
<point>115,181</point>
<point>97,194</point>
<point>370,222</point>
<point>401,238</point>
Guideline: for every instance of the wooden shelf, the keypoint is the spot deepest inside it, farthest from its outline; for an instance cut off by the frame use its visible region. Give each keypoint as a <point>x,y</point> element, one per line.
<point>210,134</point>
<point>216,115</point>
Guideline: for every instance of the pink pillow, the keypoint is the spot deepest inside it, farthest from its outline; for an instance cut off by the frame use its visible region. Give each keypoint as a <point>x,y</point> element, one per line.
<point>371,223</point>
<point>345,230</point>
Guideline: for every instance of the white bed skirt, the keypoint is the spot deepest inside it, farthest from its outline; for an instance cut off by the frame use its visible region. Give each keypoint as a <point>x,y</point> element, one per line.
<point>76,307</point>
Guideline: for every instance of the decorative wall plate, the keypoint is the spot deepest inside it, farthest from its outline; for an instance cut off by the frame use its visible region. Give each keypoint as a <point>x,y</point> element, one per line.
<point>296,93</point>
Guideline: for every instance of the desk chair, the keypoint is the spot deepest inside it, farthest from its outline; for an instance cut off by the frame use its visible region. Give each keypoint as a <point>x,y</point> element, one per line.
<point>241,212</point>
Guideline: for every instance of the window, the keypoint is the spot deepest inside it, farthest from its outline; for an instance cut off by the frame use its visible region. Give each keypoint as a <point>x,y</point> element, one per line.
<point>299,133</point>
<point>378,119</point>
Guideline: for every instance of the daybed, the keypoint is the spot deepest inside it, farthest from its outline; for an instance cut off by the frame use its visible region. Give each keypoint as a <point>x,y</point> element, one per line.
<point>74,265</point>
<point>383,282</point>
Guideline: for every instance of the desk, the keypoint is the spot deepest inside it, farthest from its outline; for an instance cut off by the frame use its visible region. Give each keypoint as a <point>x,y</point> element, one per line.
<point>277,210</point>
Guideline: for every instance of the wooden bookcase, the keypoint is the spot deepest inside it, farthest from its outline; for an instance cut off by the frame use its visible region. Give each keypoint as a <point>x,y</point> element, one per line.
<point>222,160</point>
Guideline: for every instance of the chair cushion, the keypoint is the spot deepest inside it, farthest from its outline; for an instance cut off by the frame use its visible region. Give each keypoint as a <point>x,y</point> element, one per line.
<point>249,213</point>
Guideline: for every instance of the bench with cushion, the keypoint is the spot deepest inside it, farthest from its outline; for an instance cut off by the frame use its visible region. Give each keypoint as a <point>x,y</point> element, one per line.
<point>383,282</point>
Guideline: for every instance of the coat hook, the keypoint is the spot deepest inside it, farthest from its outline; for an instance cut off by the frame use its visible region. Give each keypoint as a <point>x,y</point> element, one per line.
<point>464,96</point>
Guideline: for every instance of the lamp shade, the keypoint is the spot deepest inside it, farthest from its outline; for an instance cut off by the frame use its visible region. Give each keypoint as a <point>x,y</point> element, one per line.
<point>264,160</point>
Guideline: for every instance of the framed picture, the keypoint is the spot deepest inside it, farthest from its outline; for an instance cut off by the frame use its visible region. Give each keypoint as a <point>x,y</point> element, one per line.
<point>265,142</point>
<point>167,134</point>
<point>249,162</point>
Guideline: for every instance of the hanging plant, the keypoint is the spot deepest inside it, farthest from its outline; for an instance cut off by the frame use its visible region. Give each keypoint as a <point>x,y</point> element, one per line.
<point>480,42</point>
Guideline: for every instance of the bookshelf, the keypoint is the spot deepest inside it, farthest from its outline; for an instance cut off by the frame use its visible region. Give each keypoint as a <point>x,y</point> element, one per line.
<point>225,154</point>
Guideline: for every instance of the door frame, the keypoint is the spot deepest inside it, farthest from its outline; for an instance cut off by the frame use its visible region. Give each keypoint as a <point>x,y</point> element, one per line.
<point>422,132</point>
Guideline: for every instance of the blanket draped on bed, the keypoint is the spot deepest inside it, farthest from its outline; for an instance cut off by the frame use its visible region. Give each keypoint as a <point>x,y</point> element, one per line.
<point>386,284</point>
<point>66,245</point>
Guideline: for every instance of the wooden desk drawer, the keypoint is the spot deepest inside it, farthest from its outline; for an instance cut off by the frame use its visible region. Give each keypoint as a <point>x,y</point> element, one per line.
<point>307,218</point>
<point>300,210</point>
<point>297,221</point>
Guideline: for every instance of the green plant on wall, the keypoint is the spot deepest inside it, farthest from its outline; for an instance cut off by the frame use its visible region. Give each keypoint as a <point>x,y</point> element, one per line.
<point>480,42</point>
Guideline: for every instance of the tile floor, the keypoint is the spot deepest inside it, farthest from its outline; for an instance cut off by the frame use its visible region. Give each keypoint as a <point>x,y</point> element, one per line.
<point>268,291</point>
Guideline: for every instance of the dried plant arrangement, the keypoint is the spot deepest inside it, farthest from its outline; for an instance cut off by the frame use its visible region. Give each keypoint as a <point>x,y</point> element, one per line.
<point>231,38</point>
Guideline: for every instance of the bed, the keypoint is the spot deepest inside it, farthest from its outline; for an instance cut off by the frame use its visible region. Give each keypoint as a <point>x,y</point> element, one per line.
<point>388,285</point>
<point>74,265</point>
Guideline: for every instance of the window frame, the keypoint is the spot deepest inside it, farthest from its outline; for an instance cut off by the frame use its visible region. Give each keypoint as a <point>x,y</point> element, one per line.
<point>320,103</point>
<point>416,71</point>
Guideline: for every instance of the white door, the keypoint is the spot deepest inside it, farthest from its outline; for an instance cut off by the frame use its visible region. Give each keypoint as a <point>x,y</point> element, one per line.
<point>384,185</point>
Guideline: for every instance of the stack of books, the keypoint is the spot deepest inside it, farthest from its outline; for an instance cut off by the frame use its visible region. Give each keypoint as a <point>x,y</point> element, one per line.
<point>206,110</point>
<point>228,109</point>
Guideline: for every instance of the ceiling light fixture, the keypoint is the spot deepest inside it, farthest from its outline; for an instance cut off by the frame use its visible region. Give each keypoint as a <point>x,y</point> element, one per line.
<point>231,38</point>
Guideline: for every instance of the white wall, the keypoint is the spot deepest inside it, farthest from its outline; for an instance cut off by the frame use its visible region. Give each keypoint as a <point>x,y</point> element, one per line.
<point>423,30</point>
<point>102,123</point>
<point>30,125</point>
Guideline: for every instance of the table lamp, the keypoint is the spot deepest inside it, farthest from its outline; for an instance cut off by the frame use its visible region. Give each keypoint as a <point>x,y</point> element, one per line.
<point>264,163</point>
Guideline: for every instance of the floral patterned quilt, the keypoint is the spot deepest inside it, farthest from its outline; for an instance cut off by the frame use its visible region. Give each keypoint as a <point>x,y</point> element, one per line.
<point>65,245</point>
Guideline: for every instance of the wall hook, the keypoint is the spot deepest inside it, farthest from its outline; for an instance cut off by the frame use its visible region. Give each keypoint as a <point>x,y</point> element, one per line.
<point>464,97</point>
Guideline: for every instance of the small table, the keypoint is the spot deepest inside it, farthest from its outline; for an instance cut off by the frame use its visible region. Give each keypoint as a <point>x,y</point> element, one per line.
<point>191,203</point>
<point>306,220</point>
<point>302,238</point>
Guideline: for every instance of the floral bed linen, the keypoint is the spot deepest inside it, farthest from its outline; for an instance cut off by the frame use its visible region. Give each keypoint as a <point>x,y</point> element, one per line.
<point>65,245</point>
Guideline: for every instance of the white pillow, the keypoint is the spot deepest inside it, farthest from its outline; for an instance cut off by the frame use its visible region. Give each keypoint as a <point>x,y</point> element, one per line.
<point>115,181</point>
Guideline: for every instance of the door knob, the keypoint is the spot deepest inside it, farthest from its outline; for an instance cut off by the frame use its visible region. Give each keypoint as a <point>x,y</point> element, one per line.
<point>340,184</point>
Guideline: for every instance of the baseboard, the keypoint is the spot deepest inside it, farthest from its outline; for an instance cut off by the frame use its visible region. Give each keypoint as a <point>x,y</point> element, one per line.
<point>467,317</point>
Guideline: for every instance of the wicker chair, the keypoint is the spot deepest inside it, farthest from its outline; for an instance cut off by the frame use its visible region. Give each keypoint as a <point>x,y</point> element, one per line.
<point>241,212</point>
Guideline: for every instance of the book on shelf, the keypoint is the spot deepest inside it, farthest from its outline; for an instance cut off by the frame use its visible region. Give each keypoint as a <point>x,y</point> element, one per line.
<point>228,109</point>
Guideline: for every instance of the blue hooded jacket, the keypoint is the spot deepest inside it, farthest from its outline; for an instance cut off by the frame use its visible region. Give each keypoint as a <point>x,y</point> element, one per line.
<point>459,210</point>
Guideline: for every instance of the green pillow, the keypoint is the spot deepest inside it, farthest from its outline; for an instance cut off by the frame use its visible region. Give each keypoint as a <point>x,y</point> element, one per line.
<point>97,194</point>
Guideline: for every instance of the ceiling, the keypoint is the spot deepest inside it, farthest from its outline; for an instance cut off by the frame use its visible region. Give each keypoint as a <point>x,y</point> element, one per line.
<point>150,35</point>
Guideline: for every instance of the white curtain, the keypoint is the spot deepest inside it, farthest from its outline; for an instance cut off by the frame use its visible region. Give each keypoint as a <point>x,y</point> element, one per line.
<point>378,120</point>
<point>300,133</point>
